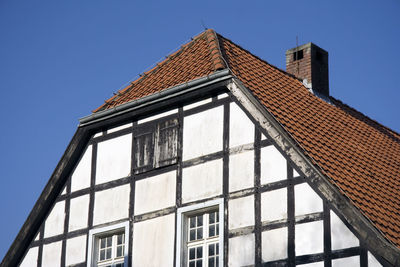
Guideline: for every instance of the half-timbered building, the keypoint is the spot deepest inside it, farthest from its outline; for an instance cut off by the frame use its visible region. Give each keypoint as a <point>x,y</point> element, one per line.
<point>216,158</point>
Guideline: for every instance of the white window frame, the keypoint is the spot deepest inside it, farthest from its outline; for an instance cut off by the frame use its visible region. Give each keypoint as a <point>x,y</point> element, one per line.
<point>182,220</point>
<point>94,235</point>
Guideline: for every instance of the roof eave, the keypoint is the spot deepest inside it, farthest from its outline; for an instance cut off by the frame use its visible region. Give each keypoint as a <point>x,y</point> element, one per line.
<point>157,97</point>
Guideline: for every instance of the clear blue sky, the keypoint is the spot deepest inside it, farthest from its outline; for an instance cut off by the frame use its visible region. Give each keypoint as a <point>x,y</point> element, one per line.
<point>61,59</point>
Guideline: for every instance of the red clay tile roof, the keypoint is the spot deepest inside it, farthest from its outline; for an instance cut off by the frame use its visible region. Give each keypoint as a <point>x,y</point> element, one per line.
<point>359,155</point>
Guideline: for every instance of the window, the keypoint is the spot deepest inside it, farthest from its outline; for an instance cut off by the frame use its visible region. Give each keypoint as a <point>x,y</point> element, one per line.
<point>202,239</point>
<point>110,250</point>
<point>298,55</point>
<point>155,145</point>
<point>200,231</point>
<point>108,246</point>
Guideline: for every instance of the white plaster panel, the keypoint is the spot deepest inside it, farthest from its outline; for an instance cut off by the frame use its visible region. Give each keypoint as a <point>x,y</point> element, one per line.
<point>350,261</point>
<point>241,127</point>
<point>263,137</point>
<point>153,242</point>
<point>372,261</point>
<point>314,264</point>
<point>116,129</point>
<point>342,237</point>
<point>98,134</point>
<point>37,237</point>
<point>55,221</point>
<point>224,95</point>
<point>111,204</point>
<point>64,191</point>
<point>306,200</point>
<point>309,238</point>
<point>52,254</point>
<point>295,173</point>
<point>202,181</point>
<point>274,244</point>
<point>155,193</point>
<point>273,165</point>
<point>80,178</point>
<point>241,250</point>
<point>241,171</point>
<point>75,250</point>
<point>30,258</point>
<point>202,133</point>
<point>113,159</point>
<point>274,205</point>
<point>78,214</point>
<point>158,116</point>
<point>241,212</point>
<point>197,104</point>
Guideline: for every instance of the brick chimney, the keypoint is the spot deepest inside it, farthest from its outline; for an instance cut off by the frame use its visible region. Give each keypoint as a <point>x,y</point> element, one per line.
<point>310,62</point>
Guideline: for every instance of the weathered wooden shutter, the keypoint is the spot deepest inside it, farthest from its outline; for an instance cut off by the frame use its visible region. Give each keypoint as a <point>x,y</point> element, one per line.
<point>166,149</point>
<point>144,149</point>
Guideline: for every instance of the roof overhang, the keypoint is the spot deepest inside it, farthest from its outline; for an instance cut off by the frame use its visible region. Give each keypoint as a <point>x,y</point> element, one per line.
<point>164,95</point>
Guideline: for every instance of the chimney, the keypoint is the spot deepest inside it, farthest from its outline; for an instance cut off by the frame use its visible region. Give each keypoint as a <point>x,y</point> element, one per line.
<point>310,62</point>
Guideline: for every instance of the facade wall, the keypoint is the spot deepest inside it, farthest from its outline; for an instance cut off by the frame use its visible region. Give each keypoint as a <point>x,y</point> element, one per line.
<point>270,214</point>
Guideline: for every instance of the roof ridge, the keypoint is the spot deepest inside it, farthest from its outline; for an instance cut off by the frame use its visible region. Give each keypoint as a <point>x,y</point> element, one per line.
<point>144,75</point>
<point>215,49</point>
<point>263,60</point>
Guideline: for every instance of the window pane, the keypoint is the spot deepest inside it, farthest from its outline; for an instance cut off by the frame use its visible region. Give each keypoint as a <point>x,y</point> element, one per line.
<point>217,216</point>
<point>120,239</point>
<point>119,251</point>
<point>192,235</point>
<point>199,263</point>
<point>109,241</point>
<point>212,217</point>
<point>192,264</point>
<point>102,255</point>
<point>102,243</point>
<point>199,252</point>
<point>108,254</point>
<point>211,262</point>
<point>192,222</point>
<point>200,220</point>
<point>199,233</point>
<point>192,253</point>
<point>211,231</point>
<point>211,250</point>
<point>217,229</point>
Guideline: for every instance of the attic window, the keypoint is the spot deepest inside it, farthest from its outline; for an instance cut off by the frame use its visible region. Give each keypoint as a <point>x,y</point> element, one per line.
<point>298,55</point>
<point>155,145</point>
